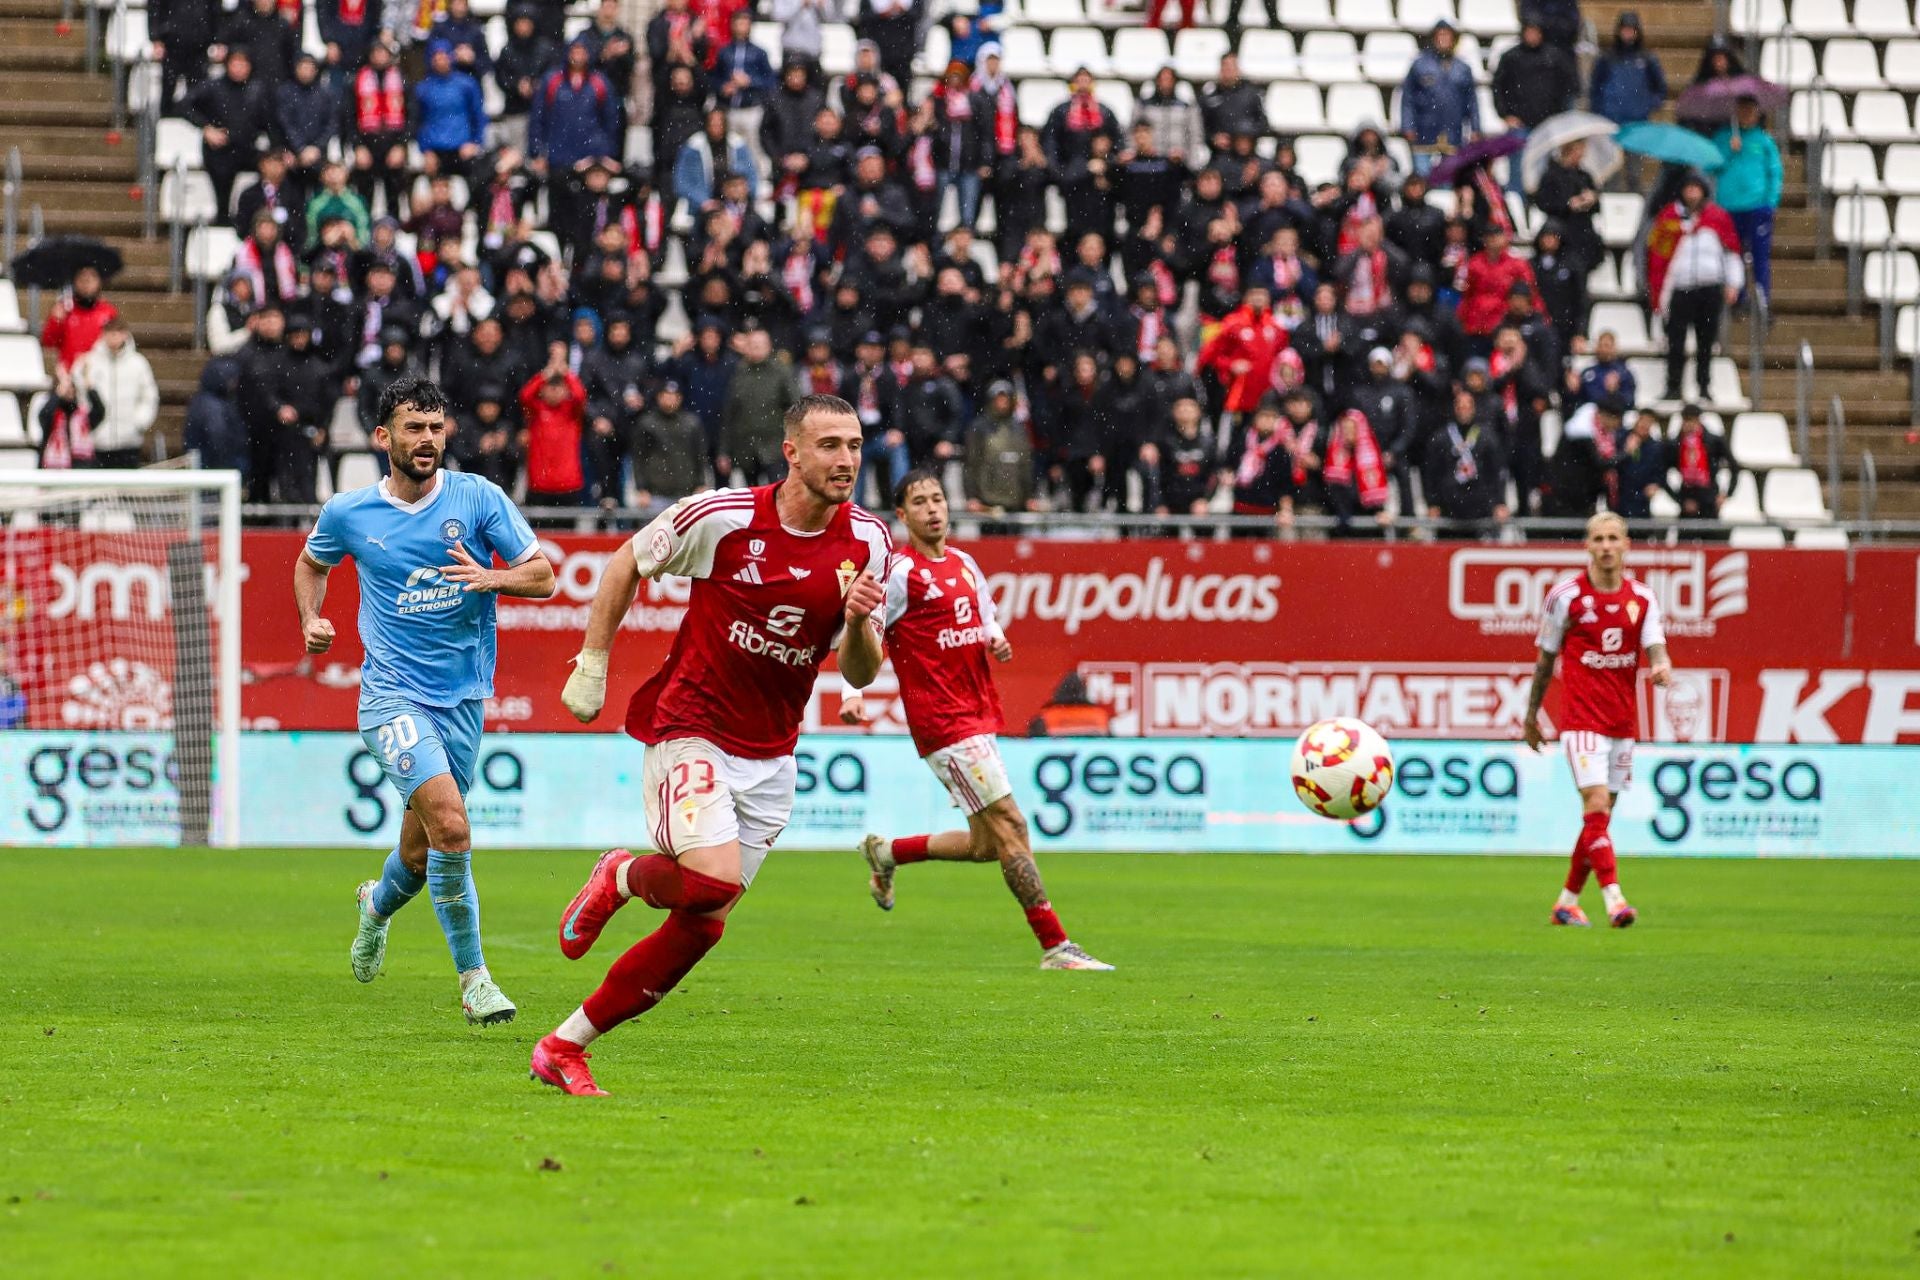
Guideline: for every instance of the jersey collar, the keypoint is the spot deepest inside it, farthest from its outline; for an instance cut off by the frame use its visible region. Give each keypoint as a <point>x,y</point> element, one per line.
<point>414,508</point>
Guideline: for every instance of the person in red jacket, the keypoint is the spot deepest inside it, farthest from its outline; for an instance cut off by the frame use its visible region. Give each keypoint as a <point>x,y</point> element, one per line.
<point>555,404</point>
<point>1242,351</point>
<point>1486,279</point>
<point>75,322</point>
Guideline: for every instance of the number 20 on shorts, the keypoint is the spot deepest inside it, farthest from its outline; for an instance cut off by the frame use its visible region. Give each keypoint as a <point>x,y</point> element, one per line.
<point>401,735</point>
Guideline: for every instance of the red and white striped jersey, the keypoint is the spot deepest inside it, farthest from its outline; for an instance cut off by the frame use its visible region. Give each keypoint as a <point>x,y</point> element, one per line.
<point>1599,636</point>
<point>940,622</point>
<point>765,608</point>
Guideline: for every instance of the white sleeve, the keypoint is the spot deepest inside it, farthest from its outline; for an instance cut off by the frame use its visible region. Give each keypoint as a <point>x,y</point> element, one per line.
<point>896,583</point>
<point>1654,630</point>
<point>1553,621</point>
<point>682,540</point>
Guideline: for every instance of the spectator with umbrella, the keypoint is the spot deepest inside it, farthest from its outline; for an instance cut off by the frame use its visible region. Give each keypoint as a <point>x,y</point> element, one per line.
<point>80,266</point>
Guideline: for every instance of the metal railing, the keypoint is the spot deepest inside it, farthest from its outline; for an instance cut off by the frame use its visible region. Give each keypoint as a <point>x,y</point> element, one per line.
<point>1817,180</point>
<point>117,28</point>
<point>10,205</point>
<point>1803,400</point>
<point>1836,439</point>
<point>1869,490</point>
<point>177,227</point>
<point>1888,303</point>
<point>92,58</point>
<point>1856,250</point>
<point>36,232</point>
<point>1759,325</point>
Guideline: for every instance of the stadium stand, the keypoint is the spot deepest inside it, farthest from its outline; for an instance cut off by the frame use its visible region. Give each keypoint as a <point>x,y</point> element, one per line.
<point>1844,271</point>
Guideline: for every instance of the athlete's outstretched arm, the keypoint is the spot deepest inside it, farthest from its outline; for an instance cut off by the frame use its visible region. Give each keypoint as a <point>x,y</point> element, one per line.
<point>861,652</point>
<point>309,594</point>
<point>1542,677</point>
<point>586,690</point>
<point>531,579</point>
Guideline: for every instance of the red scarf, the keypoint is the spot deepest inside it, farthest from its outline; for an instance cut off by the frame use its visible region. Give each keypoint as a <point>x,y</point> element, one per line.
<point>1006,113</point>
<point>1300,445</point>
<point>1253,458</point>
<point>353,12</point>
<point>823,379</point>
<point>796,273</point>
<point>1152,325</point>
<point>380,100</point>
<point>920,158</point>
<point>286,276</point>
<point>71,439</point>
<point>1499,364</point>
<point>643,227</point>
<point>500,214</point>
<point>1223,271</point>
<point>1492,197</point>
<point>1163,281</point>
<point>1367,289</point>
<point>1362,455</point>
<point>1695,470</point>
<point>1083,113</point>
<point>958,102</point>
<point>1358,212</point>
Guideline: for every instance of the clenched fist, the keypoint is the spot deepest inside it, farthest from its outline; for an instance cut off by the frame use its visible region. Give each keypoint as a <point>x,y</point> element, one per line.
<point>319,636</point>
<point>863,597</point>
<point>586,690</point>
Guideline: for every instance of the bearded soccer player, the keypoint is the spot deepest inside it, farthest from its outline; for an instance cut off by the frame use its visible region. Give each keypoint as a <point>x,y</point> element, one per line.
<point>423,542</point>
<point>1597,623</point>
<point>780,575</point>
<point>940,627</point>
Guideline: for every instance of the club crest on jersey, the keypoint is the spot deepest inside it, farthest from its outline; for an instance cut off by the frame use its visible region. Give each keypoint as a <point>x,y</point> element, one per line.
<point>1586,610</point>
<point>1633,611</point>
<point>404,763</point>
<point>756,547</point>
<point>847,572</point>
<point>660,546</point>
<point>453,530</point>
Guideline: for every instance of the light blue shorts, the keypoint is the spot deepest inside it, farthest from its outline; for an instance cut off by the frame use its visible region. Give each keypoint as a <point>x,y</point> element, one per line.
<point>415,742</point>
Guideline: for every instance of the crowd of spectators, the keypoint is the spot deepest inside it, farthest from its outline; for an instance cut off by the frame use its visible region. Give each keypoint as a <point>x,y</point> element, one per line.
<point>1159,316</point>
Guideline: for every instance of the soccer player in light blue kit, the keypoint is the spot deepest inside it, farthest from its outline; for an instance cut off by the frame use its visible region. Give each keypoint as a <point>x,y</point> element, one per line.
<point>423,541</point>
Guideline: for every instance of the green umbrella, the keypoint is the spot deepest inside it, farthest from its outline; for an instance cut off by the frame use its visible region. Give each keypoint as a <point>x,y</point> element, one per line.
<point>1672,144</point>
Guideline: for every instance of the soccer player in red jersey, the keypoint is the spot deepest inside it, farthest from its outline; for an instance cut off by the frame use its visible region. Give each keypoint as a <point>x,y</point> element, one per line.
<point>780,574</point>
<point>940,628</point>
<point>1597,623</point>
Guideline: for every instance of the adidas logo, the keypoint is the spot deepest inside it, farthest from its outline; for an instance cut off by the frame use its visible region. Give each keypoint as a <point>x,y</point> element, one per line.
<point>749,573</point>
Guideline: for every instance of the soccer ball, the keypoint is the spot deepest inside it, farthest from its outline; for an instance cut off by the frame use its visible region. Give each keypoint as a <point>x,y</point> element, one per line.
<point>1342,769</point>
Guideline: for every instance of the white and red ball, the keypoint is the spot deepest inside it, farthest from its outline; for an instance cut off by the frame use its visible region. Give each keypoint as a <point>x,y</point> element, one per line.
<point>1342,768</point>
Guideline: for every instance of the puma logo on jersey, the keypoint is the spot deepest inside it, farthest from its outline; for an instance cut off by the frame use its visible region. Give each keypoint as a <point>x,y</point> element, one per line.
<point>749,573</point>
<point>377,542</point>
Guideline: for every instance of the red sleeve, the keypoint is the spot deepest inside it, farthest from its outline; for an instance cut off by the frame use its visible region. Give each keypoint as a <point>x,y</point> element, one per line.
<point>530,394</point>
<point>53,333</point>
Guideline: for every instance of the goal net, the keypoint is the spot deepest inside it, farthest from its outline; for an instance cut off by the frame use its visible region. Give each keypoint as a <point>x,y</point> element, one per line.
<point>120,657</point>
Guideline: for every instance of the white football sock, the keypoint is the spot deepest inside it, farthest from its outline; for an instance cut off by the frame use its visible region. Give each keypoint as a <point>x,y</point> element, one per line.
<point>1568,898</point>
<point>620,879</point>
<point>577,1028</point>
<point>472,976</point>
<point>1615,899</point>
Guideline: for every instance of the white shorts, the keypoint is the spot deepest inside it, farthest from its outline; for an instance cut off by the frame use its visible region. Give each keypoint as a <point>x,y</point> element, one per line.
<point>698,796</point>
<point>1598,759</point>
<point>972,772</point>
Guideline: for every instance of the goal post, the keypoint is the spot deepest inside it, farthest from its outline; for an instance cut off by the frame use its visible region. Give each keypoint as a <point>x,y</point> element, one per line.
<point>119,637</point>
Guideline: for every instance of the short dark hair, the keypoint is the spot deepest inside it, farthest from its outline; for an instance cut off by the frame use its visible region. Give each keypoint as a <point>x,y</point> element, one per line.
<point>912,478</point>
<point>806,406</point>
<point>411,392</point>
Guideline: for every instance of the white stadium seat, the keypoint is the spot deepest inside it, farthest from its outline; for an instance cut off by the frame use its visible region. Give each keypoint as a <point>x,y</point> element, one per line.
<point>1307,15</point>
<point>187,197</point>
<point>1793,493</point>
<point>1140,52</point>
<point>1329,57</point>
<point>1359,16</point>
<point>1627,323</point>
<point>1761,441</point>
<point>1292,107</point>
<point>1849,166</point>
<point>1883,19</point>
<point>1725,391</point>
<point>935,53</point>
<point>210,251</point>
<point>836,49</point>
<point>1036,99</point>
<point>1385,56</point>
<point>1789,61</point>
<point>1619,217</point>
<point>1603,282</point>
<point>1420,15</point>
<point>1054,13</point>
<point>1351,105</point>
<point>1851,65</point>
<point>1817,539</point>
<point>1268,55</point>
<point>1901,67</point>
<point>1197,53</point>
<point>1023,53</point>
<point>21,365</point>
<point>11,320</point>
<point>1072,48</point>
<point>1488,18</point>
<point>1903,177</point>
<point>1891,276</point>
<point>1759,537</point>
<point>1743,504</point>
<point>764,34</point>
<point>20,460</point>
<point>1880,115</point>
<point>1814,111</point>
<point>1318,157</point>
<point>1756,17</point>
<point>13,428</point>
<point>175,142</point>
<point>1818,18</point>
<point>357,471</point>
<point>1861,220</point>
<point>1906,223</point>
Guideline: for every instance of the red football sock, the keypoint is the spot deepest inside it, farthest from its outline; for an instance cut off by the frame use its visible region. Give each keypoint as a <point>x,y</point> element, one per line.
<point>659,881</point>
<point>1599,849</point>
<point>652,967</point>
<point>1577,871</point>
<point>1046,926</point>
<point>910,849</point>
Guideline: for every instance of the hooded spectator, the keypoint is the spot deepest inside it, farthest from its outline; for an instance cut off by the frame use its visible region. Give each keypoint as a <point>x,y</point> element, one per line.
<point>214,430</point>
<point>129,396</point>
<point>575,116</point>
<point>1627,84</point>
<point>1439,107</point>
<point>553,406</point>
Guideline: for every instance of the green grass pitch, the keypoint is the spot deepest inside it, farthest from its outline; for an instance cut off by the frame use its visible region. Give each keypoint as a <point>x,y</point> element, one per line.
<point>1327,1067</point>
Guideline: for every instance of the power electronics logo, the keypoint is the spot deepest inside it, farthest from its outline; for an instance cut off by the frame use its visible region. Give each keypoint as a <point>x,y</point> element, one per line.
<point>1279,699</point>
<point>1503,589</point>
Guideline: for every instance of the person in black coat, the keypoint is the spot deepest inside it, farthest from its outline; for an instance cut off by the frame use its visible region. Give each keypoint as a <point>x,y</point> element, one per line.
<point>930,412</point>
<point>269,38</point>
<point>517,68</point>
<point>181,32</point>
<point>1075,326</point>
<point>308,394</point>
<point>1641,461</point>
<point>214,428</point>
<point>1562,282</point>
<point>306,113</point>
<point>1534,79</point>
<point>281,195</point>
<point>264,366</point>
<point>1125,406</point>
<point>1466,471</point>
<point>1567,195</point>
<point>1020,193</point>
<point>1419,229</point>
<point>235,118</point>
<point>952,322</point>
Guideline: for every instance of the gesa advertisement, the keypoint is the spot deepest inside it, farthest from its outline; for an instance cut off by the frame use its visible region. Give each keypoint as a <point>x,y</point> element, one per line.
<point>1166,795</point>
<point>1171,639</point>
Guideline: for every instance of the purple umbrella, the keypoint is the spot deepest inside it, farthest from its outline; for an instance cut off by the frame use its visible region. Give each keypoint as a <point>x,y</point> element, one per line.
<point>1483,151</point>
<point>1713,101</point>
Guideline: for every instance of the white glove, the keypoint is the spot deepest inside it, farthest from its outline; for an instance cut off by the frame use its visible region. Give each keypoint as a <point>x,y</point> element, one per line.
<point>586,690</point>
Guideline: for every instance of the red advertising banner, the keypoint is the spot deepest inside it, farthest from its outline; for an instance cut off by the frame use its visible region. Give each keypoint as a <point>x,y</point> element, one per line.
<point>1245,638</point>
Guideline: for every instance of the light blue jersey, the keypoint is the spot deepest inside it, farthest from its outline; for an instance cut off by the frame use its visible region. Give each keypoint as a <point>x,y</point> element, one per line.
<point>427,642</point>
